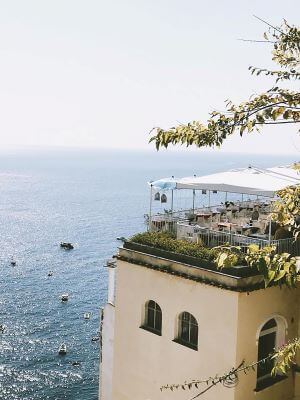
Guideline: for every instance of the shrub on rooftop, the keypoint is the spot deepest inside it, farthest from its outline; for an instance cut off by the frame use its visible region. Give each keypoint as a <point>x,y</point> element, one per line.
<point>167,241</point>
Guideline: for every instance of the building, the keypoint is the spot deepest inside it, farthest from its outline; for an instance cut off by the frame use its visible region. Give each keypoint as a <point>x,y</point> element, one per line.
<point>223,320</point>
<point>172,318</point>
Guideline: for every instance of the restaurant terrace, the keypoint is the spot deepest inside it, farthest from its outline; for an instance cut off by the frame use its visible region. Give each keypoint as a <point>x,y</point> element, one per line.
<point>242,215</point>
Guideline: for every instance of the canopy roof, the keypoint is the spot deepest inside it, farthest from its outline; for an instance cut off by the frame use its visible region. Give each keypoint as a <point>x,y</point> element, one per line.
<point>251,180</point>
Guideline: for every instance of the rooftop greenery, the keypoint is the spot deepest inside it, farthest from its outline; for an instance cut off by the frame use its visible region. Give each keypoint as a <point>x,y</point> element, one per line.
<point>167,241</point>
<point>281,268</point>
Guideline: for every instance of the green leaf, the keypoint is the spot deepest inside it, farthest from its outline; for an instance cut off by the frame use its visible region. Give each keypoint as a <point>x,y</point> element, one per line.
<point>253,248</point>
<point>270,276</point>
<point>221,259</point>
<point>280,275</point>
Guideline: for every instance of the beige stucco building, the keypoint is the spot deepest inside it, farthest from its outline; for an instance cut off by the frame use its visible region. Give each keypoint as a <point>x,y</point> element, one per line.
<point>168,321</point>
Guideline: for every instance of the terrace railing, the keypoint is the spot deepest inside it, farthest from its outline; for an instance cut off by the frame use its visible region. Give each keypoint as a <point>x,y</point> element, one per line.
<point>212,238</point>
<point>178,223</point>
<point>165,223</point>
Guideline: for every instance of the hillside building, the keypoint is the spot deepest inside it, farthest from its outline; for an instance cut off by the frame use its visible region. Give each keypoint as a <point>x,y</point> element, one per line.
<point>172,318</point>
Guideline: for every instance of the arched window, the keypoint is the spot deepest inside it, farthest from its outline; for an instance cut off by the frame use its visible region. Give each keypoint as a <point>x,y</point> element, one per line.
<point>270,336</point>
<point>187,330</point>
<point>153,317</point>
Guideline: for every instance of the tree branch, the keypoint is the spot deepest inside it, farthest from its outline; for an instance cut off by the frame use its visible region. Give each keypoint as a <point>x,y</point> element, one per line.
<point>256,41</point>
<point>267,23</point>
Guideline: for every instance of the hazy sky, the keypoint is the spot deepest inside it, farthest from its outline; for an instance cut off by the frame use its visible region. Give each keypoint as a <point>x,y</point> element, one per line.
<point>103,73</point>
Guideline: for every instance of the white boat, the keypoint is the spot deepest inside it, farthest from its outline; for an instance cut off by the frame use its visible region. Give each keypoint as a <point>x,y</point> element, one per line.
<point>87,315</point>
<point>62,349</point>
<point>64,297</point>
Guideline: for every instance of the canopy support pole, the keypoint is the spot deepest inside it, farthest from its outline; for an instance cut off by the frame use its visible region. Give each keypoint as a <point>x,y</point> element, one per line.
<point>194,193</point>
<point>172,199</point>
<point>150,210</point>
<point>225,197</point>
<point>210,218</point>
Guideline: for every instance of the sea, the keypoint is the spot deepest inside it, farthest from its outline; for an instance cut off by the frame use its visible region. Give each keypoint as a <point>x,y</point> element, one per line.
<point>89,198</point>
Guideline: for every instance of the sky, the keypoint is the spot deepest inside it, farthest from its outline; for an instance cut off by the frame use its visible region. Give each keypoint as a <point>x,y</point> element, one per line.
<point>104,73</point>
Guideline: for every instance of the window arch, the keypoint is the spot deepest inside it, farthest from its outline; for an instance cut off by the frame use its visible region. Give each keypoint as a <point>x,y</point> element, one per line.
<point>187,330</point>
<point>270,336</point>
<point>152,317</point>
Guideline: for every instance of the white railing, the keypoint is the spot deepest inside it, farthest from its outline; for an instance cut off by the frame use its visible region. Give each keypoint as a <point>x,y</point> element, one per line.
<point>165,223</point>
<point>287,246</point>
<point>212,238</point>
<point>208,225</point>
<point>230,212</point>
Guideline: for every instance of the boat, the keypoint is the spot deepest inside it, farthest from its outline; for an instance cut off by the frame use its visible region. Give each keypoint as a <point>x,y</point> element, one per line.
<point>121,238</point>
<point>50,273</point>
<point>13,262</point>
<point>95,338</point>
<point>66,245</point>
<point>87,315</point>
<point>76,363</point>
<point>2,328</point>
<point>62,349</point>
<point>64,297</point>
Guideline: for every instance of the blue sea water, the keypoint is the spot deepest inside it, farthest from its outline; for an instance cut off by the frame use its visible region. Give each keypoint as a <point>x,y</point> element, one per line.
<point>89,198</point>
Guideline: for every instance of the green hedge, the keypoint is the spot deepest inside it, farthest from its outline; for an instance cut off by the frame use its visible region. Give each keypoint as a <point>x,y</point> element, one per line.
<point>165,241</point>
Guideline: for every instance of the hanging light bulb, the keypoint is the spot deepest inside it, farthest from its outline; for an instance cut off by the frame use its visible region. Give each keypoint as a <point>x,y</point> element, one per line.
<point>157,196</point>
<point>163,198</point>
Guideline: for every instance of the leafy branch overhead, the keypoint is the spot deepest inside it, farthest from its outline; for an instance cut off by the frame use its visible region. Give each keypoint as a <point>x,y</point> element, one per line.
<point>287,209</point>
<point>273,267</point>
<point>274,107</point>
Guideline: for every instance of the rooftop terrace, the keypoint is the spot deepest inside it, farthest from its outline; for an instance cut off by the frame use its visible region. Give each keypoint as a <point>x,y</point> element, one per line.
<point>241,219</point>
<point>234,223</point>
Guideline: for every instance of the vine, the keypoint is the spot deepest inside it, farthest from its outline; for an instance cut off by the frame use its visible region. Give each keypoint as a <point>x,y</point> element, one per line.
<point>283,359</point>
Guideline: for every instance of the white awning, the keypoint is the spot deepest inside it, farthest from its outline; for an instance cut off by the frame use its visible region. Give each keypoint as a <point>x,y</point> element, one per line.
<point>285,171</point>
<point>251,180</point>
